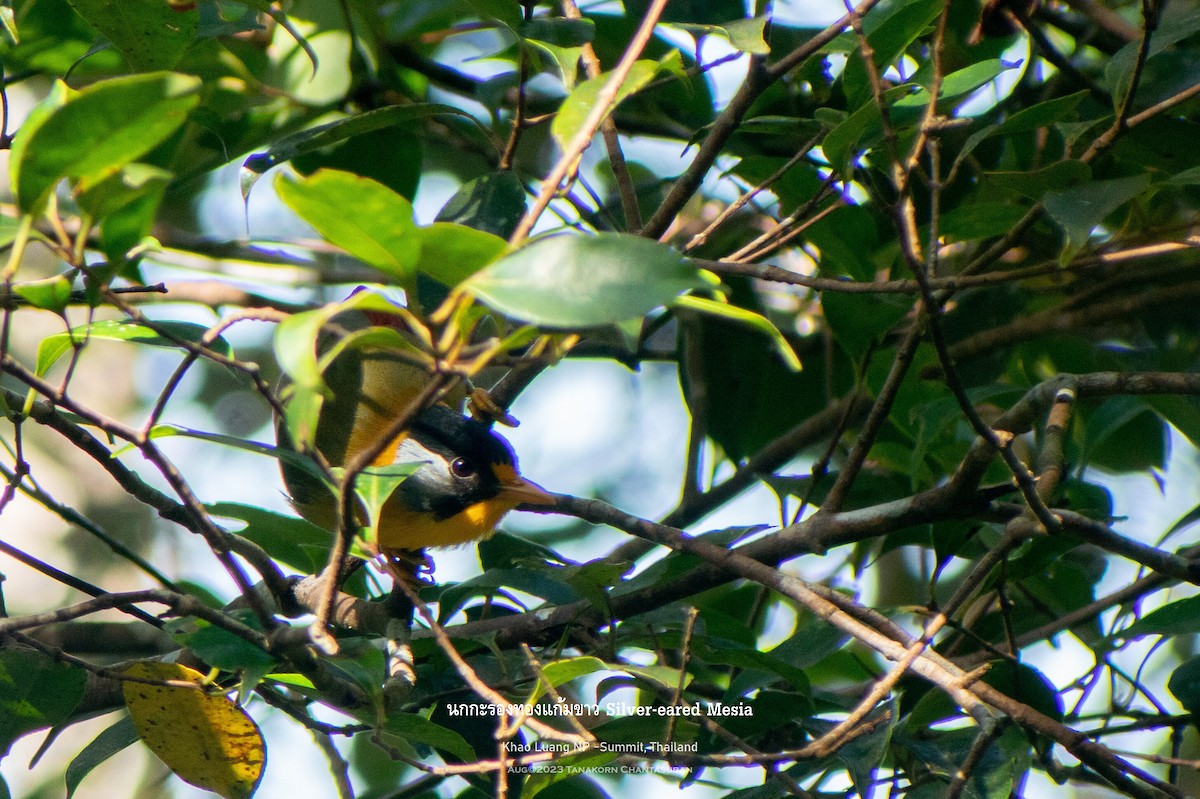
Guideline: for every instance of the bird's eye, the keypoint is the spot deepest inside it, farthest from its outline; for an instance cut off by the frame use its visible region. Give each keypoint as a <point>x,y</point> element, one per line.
<point>461,467</point>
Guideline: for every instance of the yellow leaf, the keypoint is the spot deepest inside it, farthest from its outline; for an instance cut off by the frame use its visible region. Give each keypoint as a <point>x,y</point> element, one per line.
<point>206,739</point>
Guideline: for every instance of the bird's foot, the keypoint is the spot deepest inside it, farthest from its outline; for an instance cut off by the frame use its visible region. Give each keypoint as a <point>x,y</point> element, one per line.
<point>410,567</point>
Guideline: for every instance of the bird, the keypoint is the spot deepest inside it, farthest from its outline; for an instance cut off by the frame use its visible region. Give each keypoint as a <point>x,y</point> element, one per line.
<point>467,476</point>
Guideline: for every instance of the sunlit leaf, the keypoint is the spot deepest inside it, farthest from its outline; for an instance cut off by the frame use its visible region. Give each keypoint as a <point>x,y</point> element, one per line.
<point>105,126</point>
<point>582,281</point>
<point>206,739</point>
<point>151,34</point>
<point>163,334</point>
<point>364,218</point>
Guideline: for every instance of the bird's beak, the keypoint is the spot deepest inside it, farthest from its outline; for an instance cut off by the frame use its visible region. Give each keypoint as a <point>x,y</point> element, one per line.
<point>526,492</point>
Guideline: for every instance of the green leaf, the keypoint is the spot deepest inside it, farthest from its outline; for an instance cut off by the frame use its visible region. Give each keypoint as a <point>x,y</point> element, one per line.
<point>294,542</point>
<point>375,485</point>
<point>746,317</point>
<point>890,28</point>
<point>354,130</point>
<point>558,31</point>
<point>857,321</point>
<point>1178,618</point>
<point>35,692</point>
<point>129,184</point>
<point>539,583</point>
<point>8,23</point>
<point>569,281</point>
<point>258,448</point>
<point>114,739</point>
<point>451,253</point>
<point>219,647</point>
<point>163,334</point>
<point>1082,208</point>
<point>55,99</point>
<point>561,672</point>
<point>1184,685</point>
<point>564,768</point>
<point>978,220</point>
<point>364,218</point>
<point>1123,435</point>
<point>419,729</point>
<point>295,340</point>
<point>1027,119</point>
<point>863,755</point>
<point>50,294</point>
<point>492,203</point>
<point>151,34</point>
<point>1174,27</point>
<point>1036,183</point>
<point>743,34</point>
<point>747,35</point>
<point>105,126</point>
<point>957,84</point>
<point>580,102</point>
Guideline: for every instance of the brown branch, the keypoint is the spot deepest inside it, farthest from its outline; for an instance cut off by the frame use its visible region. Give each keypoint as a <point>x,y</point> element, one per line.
<point>759,77</point>
<point>605,99</point>
<point>608,129</point>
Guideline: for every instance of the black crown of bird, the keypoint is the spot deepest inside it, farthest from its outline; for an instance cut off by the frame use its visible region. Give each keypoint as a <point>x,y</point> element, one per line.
<point>466,479</point>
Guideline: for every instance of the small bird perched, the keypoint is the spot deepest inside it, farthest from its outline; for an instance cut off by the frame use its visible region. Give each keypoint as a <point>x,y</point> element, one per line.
<point>467,481</point>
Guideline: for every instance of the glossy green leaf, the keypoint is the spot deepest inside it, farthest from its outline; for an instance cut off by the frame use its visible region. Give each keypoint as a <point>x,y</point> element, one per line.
<point>570,281</point>
<point>364,218</point>
<point>49,294</point>
<point>374,486</point>
<point>55,99</point>
<point>539,583</point>
<point>957,84</point>
<point>129,184</point>
<point>219,647</point>
<point>746,317</point>
<point>35,692</point>
<point>1181,617</point>
<point>863,755</point>
<point>890,28</point>
<point>163,334</point>
<point>748,35</point>
<point>1184,685</point>
<point>1037,183</point>
<point>114,739</point>
<point>290,458</point>
<point>151,34</point>
<point>8,24</point>
<point>1027,119</point>
<point>743,34</point>
<point>1175,26</point>
<point>311,140</point>
<point>579,104</point>
<point>419,729</point>
<point>295,341</point>
<point>493,203</point>
<point>1084,207</point>
<point>294,542</point>
<point>105,126</point>
<point>451,253</point>
<point>561,672</point>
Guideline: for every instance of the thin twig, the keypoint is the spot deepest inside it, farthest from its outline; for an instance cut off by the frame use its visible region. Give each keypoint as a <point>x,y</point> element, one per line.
<point>605,100</point>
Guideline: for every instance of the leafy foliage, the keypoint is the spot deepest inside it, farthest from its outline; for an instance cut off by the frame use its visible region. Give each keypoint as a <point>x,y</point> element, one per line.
<point>926,280</point>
